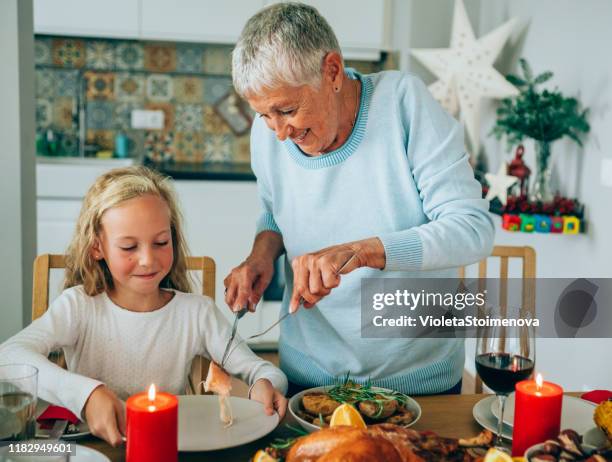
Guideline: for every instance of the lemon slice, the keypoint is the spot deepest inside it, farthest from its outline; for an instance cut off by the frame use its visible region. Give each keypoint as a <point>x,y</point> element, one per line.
<point>263,456</point>
<point>495,455</point>
<point>346,414</point>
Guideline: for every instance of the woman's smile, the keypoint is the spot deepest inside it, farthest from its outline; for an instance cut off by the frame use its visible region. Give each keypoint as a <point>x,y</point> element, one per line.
<point>300,138</point>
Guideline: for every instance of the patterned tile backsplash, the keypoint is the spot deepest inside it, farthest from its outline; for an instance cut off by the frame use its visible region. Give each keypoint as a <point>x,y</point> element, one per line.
<point>186,81</point>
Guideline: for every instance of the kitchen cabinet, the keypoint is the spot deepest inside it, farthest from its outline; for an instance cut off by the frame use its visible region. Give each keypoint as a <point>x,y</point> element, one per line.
<point>363,27</point>
<point>111,18</point>
<point>61,184</point>
<point>209,21</point>
<point>60,189</point>
<point>56,220</point>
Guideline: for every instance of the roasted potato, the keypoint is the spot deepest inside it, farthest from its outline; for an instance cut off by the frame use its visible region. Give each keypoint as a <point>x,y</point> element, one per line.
<point>372,409</point>
<point>402,417</point>
<point>319,403</point>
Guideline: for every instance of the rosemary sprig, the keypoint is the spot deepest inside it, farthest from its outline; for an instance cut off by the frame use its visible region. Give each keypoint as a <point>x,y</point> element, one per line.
<point>347,391</point>
<point>297,430</point>
<point>284,443</point>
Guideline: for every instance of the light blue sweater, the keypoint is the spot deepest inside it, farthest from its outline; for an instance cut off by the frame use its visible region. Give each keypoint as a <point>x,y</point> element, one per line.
<point>403,175</point>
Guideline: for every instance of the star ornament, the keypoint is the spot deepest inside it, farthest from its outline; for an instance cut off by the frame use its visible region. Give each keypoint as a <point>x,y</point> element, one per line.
<point>499,184</point>
<point>465,71</point>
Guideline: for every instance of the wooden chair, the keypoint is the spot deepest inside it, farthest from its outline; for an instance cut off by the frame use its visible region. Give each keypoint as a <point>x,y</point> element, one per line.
<point>528,257</point>
<point>40,300</point>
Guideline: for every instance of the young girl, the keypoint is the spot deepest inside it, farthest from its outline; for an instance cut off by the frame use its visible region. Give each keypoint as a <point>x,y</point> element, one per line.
<point>125,319</point>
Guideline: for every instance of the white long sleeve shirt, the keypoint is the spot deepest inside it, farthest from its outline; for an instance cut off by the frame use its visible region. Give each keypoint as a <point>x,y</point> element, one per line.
<point>126,350</point>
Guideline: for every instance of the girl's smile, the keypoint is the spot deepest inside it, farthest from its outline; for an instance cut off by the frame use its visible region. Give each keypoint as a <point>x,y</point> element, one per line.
<point>146,276</point>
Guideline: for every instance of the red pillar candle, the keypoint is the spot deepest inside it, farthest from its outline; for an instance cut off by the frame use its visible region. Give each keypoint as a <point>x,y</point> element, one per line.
<point>537,413</point>
<point>152,427</point>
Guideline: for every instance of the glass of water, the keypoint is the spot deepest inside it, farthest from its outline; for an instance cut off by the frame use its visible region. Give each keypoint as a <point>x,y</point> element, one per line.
<point>18,394</point>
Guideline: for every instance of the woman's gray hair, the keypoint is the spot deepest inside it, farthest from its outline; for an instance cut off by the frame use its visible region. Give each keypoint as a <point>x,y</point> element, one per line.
<point>283,44</point>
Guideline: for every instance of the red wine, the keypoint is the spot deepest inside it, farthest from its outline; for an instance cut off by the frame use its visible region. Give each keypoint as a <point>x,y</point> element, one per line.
<point>501,371</point>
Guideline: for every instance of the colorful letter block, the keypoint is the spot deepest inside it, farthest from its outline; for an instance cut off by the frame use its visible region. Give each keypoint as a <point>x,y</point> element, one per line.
<point>511,222</point>
<point>571,225</point>
<point>542,223</point>
<point>556,224</point>
<point>527,223</point>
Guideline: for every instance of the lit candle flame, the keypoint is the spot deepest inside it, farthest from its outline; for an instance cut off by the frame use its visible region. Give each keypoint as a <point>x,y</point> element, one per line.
<point>152,393</point>
<point>539,381</point>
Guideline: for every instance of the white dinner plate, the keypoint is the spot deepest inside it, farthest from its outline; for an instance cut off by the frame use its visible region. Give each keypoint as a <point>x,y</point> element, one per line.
<point>576,413</point>
<point>81,454</point>
<point>483,415</point>
<point>296,400</point>
<point>596,438</point>
<point>85,454</point>
<point>200,428</point>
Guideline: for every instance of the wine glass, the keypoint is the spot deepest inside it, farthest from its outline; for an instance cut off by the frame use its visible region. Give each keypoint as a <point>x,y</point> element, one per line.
<point>505,355</point>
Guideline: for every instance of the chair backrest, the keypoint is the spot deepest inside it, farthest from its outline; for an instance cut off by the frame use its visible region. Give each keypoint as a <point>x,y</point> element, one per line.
<point>528,257</point>
<point>46,262</point>
<point>40,298</point>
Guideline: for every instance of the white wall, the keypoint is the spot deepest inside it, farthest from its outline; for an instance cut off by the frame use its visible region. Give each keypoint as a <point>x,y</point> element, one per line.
<point>573,39</point>
<point>17,186</point>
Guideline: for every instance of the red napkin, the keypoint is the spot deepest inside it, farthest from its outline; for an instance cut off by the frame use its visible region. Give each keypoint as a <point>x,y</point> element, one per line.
<point>597,396</point>
<point>53,413</point>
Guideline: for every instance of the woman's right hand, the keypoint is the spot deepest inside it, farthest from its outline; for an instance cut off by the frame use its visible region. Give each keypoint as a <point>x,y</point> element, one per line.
<point>245,284</point>
<point>105,415</point>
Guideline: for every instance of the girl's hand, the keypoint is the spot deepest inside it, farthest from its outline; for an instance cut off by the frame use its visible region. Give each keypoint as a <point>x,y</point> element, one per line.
<point>316,274</point>
<point>105,415</point>
<point>272,399</point>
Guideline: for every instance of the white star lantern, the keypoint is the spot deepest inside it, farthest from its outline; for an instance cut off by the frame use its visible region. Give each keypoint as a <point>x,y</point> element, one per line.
<point>499,184</point>
<point>465,71</point>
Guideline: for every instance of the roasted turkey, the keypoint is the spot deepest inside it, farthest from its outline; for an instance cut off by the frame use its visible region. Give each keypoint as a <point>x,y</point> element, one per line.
<point>381,442</point>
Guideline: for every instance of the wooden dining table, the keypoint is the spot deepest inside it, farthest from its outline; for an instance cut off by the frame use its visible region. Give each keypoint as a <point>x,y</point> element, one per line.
<point>447,415</point>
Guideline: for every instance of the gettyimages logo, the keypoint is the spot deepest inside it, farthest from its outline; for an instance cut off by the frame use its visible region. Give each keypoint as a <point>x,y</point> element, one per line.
<point>455,308</point>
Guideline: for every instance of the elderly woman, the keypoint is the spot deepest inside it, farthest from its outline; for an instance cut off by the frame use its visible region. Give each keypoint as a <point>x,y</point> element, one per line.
<point>356,174</point>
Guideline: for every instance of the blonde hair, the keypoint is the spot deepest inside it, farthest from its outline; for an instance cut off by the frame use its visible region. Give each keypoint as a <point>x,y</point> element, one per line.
<point>108,191</point>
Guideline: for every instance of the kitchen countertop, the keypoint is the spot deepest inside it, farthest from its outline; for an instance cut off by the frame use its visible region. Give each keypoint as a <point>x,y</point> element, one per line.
<point>204,171</point>
<point>218,171</point>
<point>93,161</point>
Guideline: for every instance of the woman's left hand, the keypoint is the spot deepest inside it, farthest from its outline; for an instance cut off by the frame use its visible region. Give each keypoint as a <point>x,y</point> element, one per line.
<point>316,274</point>
<point>272,399</point>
